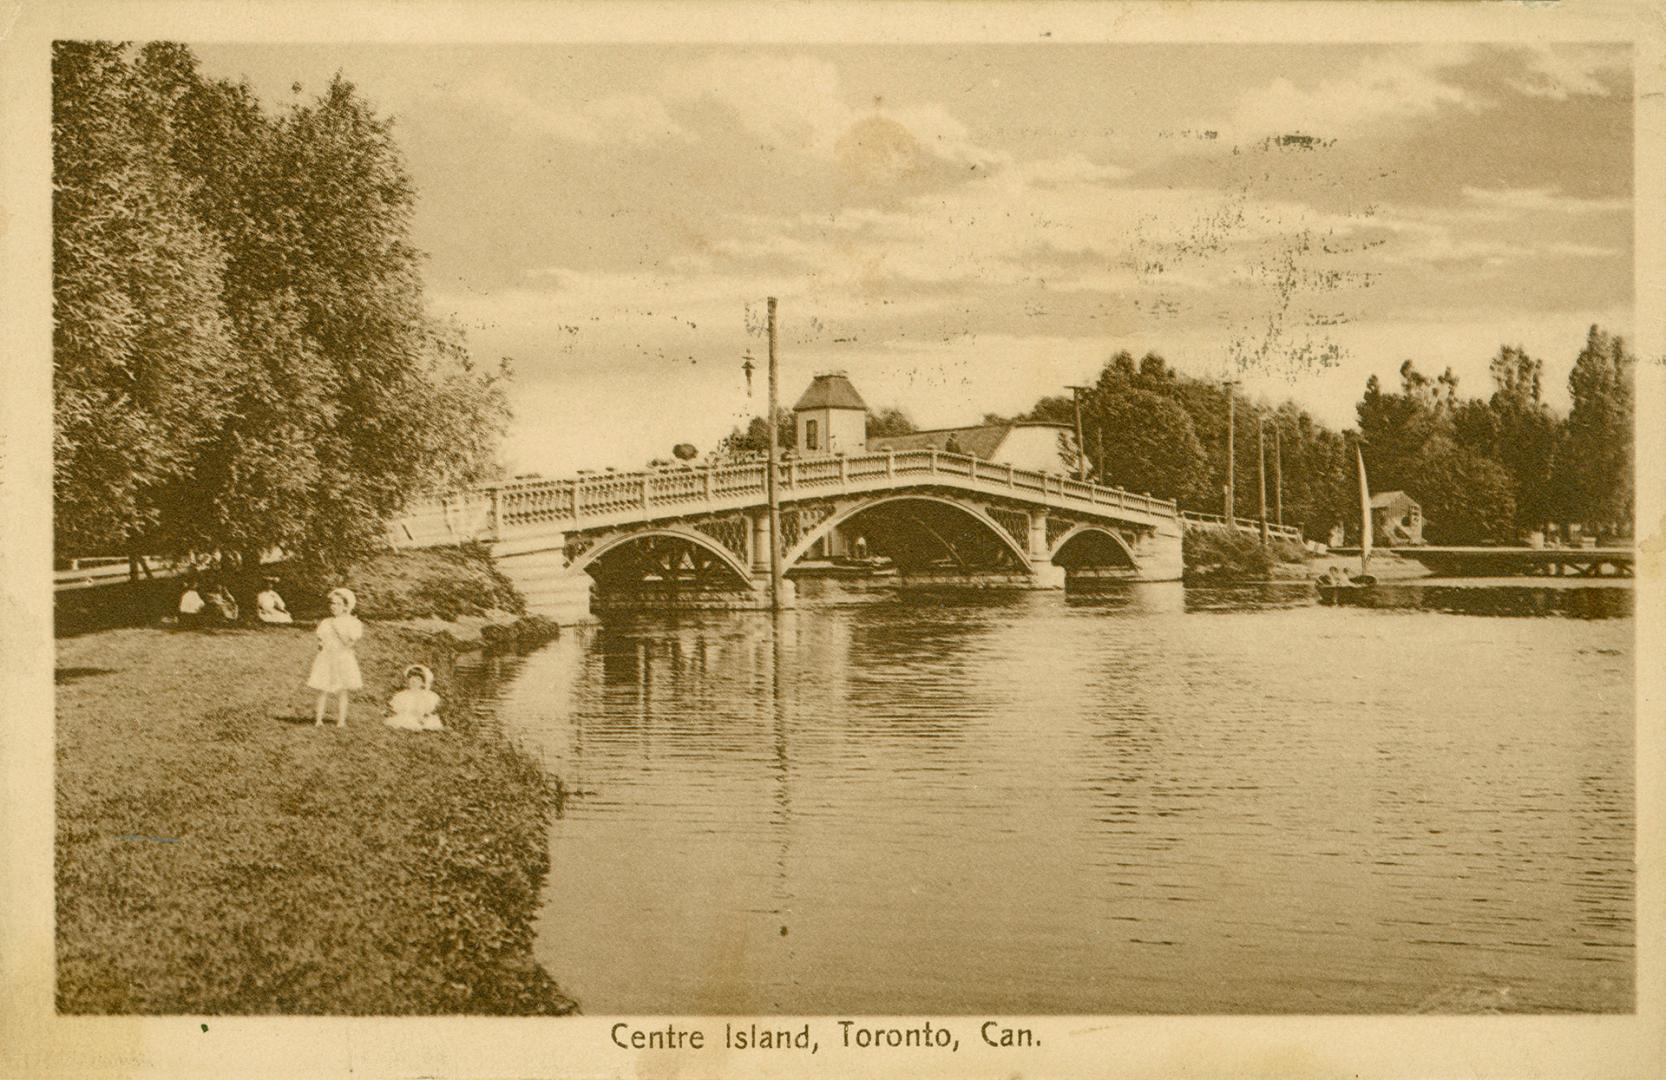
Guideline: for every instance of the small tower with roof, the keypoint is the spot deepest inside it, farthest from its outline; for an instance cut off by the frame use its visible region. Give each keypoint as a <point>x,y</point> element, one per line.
<point>831,418</point>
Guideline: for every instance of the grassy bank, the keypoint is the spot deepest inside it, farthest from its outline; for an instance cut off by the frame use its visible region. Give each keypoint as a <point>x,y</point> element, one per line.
<point>431,583</point>
<point>216,853</point>
<point>1221,557</point>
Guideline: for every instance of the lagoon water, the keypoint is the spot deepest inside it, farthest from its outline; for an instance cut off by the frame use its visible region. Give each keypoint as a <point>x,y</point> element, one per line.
<point>1154,799</point>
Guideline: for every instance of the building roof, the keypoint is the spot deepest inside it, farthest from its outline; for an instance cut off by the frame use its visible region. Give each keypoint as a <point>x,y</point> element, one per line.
<point>981,441</point>
<point>1389,498</point>
<point>832,391</point>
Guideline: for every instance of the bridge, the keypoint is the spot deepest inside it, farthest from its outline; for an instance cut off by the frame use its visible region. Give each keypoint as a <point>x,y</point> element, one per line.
<point>698,536</point>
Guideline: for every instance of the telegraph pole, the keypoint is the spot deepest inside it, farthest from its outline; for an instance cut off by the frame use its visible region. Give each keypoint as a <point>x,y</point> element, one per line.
<point>1278,476</point>
<point>1261,451</point>
<point>1076,393</point>
<point>1231,455</point>
<point>770,474</point>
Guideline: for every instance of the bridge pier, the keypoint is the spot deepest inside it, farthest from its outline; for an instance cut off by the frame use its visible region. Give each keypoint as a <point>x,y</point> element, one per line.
<point>1044,573</point>
<point>550,587</point>
<point>1157,555</point>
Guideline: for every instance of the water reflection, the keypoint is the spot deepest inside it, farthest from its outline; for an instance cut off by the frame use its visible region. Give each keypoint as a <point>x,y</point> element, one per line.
<point>1110,804</point>
<point>1594,601</point>
<point>1578,600</point>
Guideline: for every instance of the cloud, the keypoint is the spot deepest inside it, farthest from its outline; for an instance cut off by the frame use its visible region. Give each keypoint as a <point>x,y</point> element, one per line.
<point>800,102</point>
<point>1540,200</point>
<point>623,118</point>
<point>1405,83</point>
<point>1409,82</point>
<point>1585,251</point>
<point>1564,71</point>
<point>794,100</point>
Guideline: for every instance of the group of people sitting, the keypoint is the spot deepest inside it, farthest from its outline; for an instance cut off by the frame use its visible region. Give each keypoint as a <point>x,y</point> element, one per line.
<point>1336,575</point>
<point>214,605</point>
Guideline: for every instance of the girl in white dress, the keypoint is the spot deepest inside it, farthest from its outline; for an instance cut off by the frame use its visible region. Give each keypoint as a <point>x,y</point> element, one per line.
<point>414,708</point>
<point>335,670</point>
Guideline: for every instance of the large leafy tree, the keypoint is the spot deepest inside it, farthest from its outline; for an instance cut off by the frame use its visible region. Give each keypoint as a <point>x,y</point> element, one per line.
<point>1315,468</point>
<point>242,357</point>
<point>1466,498</point>
<point>1142,441</point>
<point>1594,480</point>
<point>1397,426</point>
<point>140,337</point>
<point>1524,433</point>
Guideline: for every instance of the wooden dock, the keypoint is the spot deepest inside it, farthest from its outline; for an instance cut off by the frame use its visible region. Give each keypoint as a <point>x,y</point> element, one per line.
<point>1517,561</point>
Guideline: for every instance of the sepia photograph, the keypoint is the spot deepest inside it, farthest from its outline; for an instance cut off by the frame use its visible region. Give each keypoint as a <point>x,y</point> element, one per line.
<point>832,552</point>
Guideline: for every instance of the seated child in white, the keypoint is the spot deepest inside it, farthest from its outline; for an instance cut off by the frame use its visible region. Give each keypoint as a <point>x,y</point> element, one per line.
<point>269,606</point>
<point>415,707</point>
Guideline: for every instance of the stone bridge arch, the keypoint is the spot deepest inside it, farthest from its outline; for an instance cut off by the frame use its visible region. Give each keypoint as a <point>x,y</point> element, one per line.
<point>844,513</point>
<point>1083,535</point>
<point>582,560</point>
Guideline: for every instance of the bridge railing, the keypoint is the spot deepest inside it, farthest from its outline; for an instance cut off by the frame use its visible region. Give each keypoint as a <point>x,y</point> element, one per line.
<point>1196,520</point>
<point>498,509</point>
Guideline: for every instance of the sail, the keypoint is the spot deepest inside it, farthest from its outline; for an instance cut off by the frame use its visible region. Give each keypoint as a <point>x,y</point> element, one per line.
<point>1364,514</point>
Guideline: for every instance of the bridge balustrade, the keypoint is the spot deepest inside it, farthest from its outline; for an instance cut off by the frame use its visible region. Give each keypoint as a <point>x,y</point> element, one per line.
<point>1193,519</point>
<point>569,503</point>
<point>747,479</point>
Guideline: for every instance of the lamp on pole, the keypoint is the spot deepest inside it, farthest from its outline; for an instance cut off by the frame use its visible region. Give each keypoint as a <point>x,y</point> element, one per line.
<point>1076,393</point>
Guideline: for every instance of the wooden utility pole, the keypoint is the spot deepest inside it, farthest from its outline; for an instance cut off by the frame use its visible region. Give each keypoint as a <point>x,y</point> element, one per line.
<point>1081,446</point>
<point>1261,453</point>
<point>1231,455</point>
<point>1278,477</point>
<point>770,473</point>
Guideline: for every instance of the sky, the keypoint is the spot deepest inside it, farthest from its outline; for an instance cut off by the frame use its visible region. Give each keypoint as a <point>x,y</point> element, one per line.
<point>966,228</point>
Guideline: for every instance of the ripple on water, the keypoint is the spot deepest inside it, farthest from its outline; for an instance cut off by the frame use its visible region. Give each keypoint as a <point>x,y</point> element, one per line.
<point>1197,801</point>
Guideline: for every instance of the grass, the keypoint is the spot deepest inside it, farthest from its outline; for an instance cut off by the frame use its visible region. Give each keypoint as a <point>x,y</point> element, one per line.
<point>1218,556</point>
<point>216,853</point>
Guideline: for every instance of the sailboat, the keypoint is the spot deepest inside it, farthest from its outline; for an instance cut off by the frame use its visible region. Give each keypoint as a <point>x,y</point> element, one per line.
<point>1365,577</point>
<point>1334,590</point>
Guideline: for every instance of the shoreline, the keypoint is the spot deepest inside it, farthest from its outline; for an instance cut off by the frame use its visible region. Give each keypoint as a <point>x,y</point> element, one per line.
<point>218,854</point>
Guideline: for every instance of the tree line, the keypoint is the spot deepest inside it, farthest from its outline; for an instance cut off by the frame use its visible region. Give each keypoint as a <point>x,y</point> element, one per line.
<point>241,354</point>
<point>1485,470</point>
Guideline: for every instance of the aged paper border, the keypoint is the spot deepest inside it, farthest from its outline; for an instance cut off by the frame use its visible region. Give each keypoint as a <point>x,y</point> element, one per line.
<point>36,1042</point>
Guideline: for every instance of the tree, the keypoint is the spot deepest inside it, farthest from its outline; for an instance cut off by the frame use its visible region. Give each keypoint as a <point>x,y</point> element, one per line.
<point>1053,409</point>
<point>139,334</point>
<point>1317,472</point>
<point>754,441</point>
<point>1594,481</point>
<point>1525,434</point>
<point>1396,427</point>
<point>242,357</point>
<point>1466,498</point>
<point>1144,442</point>
<point>891,421</point>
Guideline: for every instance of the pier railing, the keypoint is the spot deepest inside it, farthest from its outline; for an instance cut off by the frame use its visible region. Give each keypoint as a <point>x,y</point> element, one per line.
<point>499,511</point>
<point>1193,520</point>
